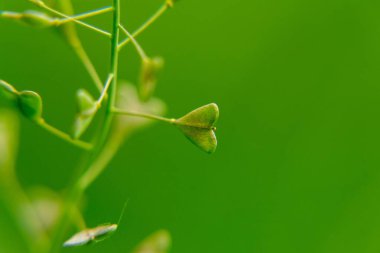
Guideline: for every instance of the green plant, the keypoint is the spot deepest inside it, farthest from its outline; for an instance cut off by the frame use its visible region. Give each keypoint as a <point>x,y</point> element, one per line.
<point>125,110</point>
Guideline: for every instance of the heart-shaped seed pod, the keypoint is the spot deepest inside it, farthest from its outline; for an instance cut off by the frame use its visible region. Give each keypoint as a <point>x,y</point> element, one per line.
<point>198,127</point>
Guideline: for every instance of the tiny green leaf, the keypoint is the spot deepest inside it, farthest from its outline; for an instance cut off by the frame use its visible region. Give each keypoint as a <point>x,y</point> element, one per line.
<point>88,236</point>
<point>86,111</point>
<point>198,127</point>
<point>159,242</point>
<point>7,91</point>
<point>30,104</point>
<point>148,79</point>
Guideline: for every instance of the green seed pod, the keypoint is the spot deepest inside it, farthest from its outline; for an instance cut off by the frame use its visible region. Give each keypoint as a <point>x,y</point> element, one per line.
<point>7,91</point>
<point>148,77</point>
<point>198,127</point>
<point>30,104</point>
<point>159,242</point>
<point>86,112</point>
<point>37,19</point>
<point>31,18</point>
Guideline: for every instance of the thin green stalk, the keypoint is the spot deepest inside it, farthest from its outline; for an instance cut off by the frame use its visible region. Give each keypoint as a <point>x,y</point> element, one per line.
<point>91,27</point>
<point>76,44</point>
<point>64,136</point>
<point>85,15</point>
<point>83,56</point>
<point>103,95</point>
<point>138,47</point>
<point>86,179</point>
<point>143,115</point>
<point>142,28</point>
<point>82,182</point>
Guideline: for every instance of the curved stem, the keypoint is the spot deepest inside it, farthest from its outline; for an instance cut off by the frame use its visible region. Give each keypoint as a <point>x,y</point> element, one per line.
<point>137,45</point>
<point>64,136</point>
<point>76,44</point>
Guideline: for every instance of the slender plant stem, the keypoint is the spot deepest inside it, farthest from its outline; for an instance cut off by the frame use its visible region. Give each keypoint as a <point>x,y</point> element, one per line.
<point>64,136</point>
<point>83,56</point>
<point>91,27</point>
<point>143,115</point>
<point>89,176</point>
<point>142,28</point>
<point>76,44</point>
<point>103,95</point>
<point>94,166</point>
<point>138,47</point>
<point>85,15</point>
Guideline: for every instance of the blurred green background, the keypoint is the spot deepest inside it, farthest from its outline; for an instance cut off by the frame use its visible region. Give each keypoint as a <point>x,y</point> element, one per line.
<point>297,167</point>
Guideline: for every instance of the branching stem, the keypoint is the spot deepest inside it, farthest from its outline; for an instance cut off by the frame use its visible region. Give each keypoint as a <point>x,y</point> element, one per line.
<point>143,27</point>
<point>91,27</point>
<point>138,47</point>
<point>103,95</point>
<point>85,15</point>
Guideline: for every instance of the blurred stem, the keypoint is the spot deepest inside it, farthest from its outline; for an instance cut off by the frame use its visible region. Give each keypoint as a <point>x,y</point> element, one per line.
<point>76,44</point>
<point>18,202</point>
<point>95,165</point>
<point>63,136</point>
<point>142,28</point>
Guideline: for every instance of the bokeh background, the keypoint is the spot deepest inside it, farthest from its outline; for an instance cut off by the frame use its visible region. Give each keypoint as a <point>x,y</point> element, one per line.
<point>297,167</point>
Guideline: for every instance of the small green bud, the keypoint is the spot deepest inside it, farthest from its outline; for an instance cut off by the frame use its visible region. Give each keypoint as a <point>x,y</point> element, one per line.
<point>87,236</point>
<point>7,91</point>
<point>198,127</point>
<point>86,111</point>
<point>30,104</point>
<point>159,242</point>
<point>148,79</point>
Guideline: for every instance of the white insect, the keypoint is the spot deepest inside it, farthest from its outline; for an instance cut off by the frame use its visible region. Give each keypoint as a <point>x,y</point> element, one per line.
<point>90,235</point>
